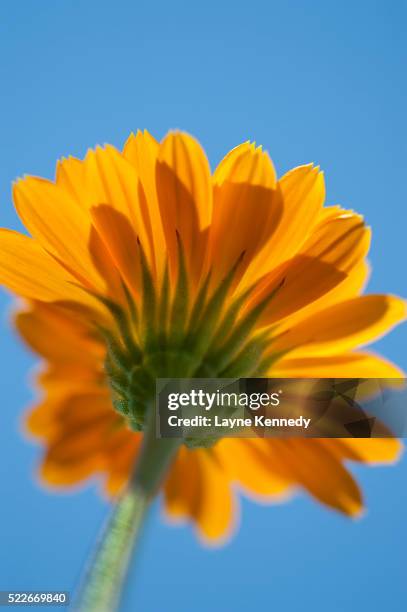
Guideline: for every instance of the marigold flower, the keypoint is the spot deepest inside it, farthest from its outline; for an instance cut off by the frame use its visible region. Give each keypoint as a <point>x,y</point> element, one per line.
<point>141,265</point>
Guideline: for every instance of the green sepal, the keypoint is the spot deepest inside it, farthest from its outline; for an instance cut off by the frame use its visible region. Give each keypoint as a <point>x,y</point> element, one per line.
<point>179,309</point>
<point>149,303</point>
<point>194,443</point>
<point>163,311</point>
<point>118,356</point>
<point>121,405</point>
<point>238,338</point>
<point>206,327</point>
<point>247,361</point>
<point>197,309</point>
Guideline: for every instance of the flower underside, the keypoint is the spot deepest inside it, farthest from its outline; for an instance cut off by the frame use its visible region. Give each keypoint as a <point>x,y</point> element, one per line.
<point>173,334</point>
<point>141,264</point>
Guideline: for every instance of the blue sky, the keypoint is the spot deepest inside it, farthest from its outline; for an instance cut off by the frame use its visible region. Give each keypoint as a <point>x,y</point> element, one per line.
<point>321,81</point>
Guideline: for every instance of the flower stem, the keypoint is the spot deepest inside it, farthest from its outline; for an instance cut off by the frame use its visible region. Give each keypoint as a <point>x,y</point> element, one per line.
<point>104,580</point>
<point>105,576</point>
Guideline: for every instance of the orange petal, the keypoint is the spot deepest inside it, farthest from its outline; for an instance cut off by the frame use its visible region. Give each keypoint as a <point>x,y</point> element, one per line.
<point>343,326</point>
<point>70,176</point>
<point>50,332</point>
<point>27,270</point>
<point>197,488</point>
<point>184,196</point>
<point>76,454</point>
<point>313,466</point>
<point>351,286</point>
<point>59,224</point>
<point>142,151</point>
<point>324,262</point>
<point>70,473</point>
<point>302,194</point>
<point>103,263</point>
<point>83,427</point>
<point>57,417</point>
<point>348,365</point>
<point>120,241</point>
<point>41,421</point>
<point>248,467</point>
<point>247,208</point>
<point>374,451</point>
<point>111,179</point>
<point>64,378</point>
<point>121,455</point>
<point>182,487</point>
<point>216,513</point>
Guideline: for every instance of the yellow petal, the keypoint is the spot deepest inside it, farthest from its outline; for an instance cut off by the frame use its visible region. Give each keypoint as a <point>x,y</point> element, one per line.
<point>112,180</point>
<point>77,434</point>
<point>69,473</point>
<point>185,197</point>
<point>350,287</point>
<point>56,416</point>
<point>56,336</point>
<point>302,193</point>
<point>248,467</point>
<point>216,513</point>
<point>347,365</point>
<point>142,151</point>
<point>41,421</point>
<point>247,208</point>
<point>59,379</point>
<point>121,455</point>
<point>343,326</point>
<point>183,486</point>
<point>197,488</point>
<point>315,467</point>
<point>326,259</point>
<point>121,243</point>
<point>374,451</point>
<point>106,267</point>
<point>70,176</point>
<point>27,270</point>
<point>329,212</point>
<point>59,224</point>
<point>229,166</point>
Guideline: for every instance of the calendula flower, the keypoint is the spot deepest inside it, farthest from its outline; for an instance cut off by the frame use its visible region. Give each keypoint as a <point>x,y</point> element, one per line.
<point>141,265</point>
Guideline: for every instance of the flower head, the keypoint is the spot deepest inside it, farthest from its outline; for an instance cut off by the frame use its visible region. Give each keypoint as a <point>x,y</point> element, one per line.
<point>141,265</point>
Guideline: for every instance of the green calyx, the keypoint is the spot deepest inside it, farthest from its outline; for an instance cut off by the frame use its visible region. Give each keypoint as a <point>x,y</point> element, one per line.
<point>170,335</point>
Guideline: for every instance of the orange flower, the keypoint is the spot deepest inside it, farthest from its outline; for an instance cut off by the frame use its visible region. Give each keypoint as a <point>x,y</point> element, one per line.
<point>141,265</point>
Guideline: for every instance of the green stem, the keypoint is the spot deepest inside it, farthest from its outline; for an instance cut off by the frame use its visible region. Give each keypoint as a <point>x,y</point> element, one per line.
<point>107,571</point>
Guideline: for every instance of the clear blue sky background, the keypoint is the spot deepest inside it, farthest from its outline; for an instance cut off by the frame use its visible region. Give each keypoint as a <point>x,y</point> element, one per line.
<point>321,81</point>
